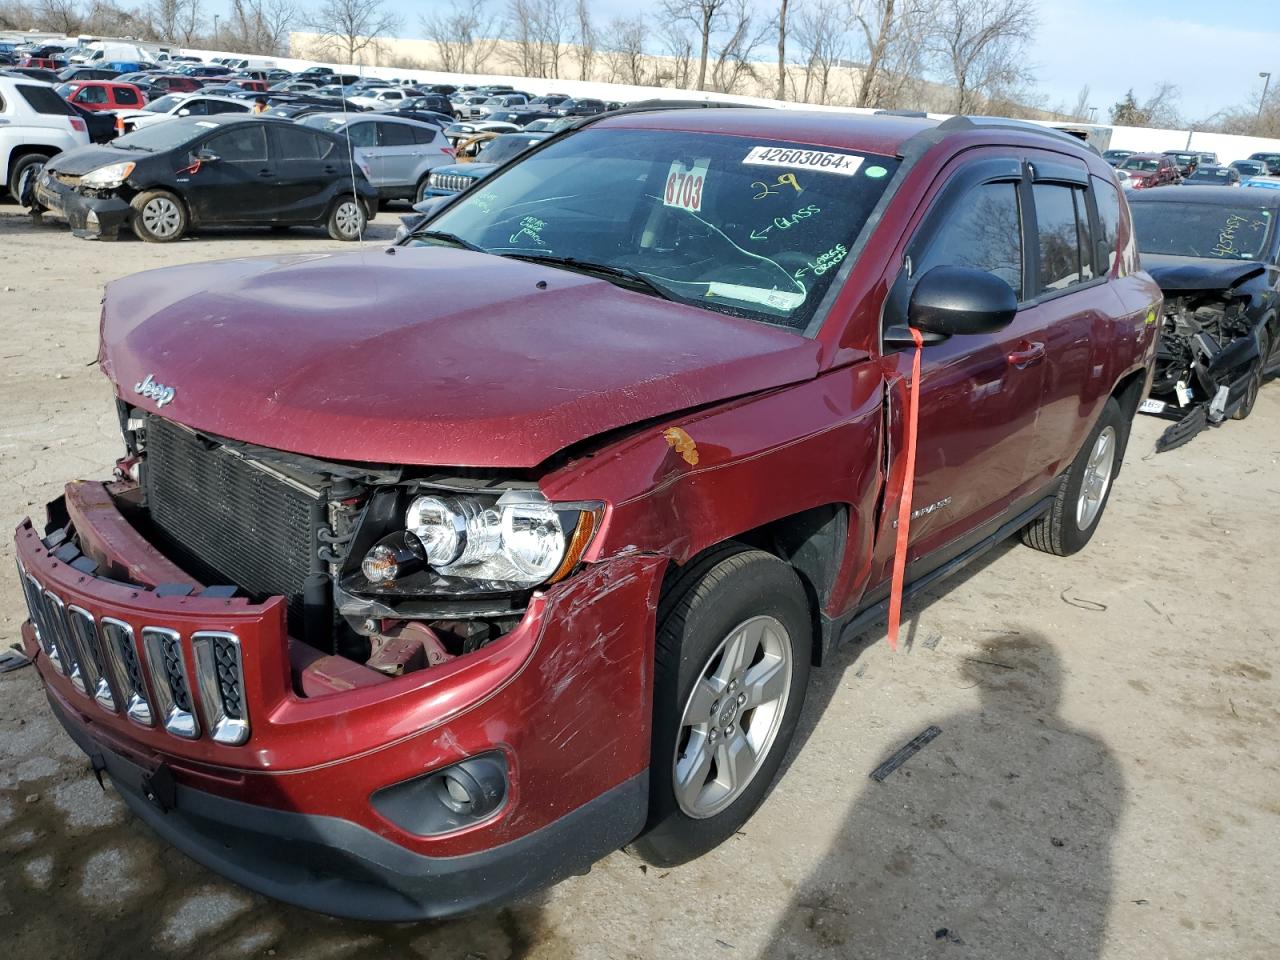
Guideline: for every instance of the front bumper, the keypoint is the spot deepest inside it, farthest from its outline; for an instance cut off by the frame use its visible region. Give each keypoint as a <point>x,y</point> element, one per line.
<point>89,217</point>
<point>342,869</point>
<point>564,698</point>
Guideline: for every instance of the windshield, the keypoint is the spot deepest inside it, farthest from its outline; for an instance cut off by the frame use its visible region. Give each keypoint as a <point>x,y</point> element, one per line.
<point>1209,175</point>
<point>159,137</point>
<point>750,227</point>
<point>1133,164</point>
<point>1202,229</point>
<point>503,148</point>
<point>164,104</point>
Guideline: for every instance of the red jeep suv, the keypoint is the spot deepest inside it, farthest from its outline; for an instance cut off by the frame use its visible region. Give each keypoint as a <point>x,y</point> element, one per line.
<point>432,575</point>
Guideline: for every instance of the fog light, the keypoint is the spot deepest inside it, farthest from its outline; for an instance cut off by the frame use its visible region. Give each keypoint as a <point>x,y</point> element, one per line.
<point>379,565</point>
<point>457,796</point>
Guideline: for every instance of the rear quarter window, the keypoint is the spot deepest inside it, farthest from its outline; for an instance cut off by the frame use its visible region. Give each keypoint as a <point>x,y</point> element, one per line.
<point>44,100</point>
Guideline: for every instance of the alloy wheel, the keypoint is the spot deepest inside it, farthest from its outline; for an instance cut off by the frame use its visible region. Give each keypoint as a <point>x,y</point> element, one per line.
<point>1097,478</point>
<point>348,218</point>
<point>732,716</point>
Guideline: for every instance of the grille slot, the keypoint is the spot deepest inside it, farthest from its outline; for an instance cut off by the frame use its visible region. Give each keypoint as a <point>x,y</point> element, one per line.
<point>117,641</point>
<point>55,617</point>
<point>84,634</point>
<point>169,680</point>
<point>220,673</point>
<point>36,608</point>
<point>228,519</point>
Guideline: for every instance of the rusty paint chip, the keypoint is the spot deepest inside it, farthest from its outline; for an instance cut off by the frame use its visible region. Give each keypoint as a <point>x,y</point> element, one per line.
<point>683,444</point>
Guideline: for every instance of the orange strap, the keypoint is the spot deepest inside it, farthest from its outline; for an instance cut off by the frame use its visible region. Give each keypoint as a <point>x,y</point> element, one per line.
<point>908,486</point>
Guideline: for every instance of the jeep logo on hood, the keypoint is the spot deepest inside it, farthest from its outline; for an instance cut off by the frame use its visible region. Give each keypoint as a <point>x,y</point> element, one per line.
<point>156,391</point>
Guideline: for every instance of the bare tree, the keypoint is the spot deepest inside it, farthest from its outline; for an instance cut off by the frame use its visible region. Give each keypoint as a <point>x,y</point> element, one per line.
<point>260,26</point>
<point>61,15</point>
<point>350,27</point>
<point>1161,108</point>
<point>176,20</point>
<point>782,50</point>
<point>1081,109</point>
<point>979,46</point>
<point>706,17</point>
<point>742,36</point>
<point>624,55</point>
<point>678,47</point>
<point>537,30</point>
<point>584,38</point>
<point>465,35</point>
<point>823,41</point>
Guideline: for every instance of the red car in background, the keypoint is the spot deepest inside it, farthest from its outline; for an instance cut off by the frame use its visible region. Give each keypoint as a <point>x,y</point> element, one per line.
<point>173,83</point>
<point>43,63</point>
<point>103,94</point>
<point>1144,170</point>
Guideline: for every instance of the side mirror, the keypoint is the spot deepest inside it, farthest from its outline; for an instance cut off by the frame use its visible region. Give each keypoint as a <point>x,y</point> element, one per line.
<point>205,156</point>
<point>959,301</point>
<point>184,112</point>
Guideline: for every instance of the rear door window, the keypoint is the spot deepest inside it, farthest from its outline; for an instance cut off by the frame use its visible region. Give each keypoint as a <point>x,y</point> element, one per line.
<point>1063,246</point>
<point>294,143</point>
<point>394,135</point>
<point>242,143</point>
<point>44,100</point>
<point>983,232</point>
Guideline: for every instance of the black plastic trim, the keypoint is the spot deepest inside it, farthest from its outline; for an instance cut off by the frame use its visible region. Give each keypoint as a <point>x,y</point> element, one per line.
<point>340,868</point>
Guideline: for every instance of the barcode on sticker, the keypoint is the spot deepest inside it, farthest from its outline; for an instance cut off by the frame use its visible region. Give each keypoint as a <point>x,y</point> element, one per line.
<point>842,163</point>
<point>684,186</point>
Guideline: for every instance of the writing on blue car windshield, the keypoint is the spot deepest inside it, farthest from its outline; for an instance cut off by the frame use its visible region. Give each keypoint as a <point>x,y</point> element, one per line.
<point>740,225</point>
<point>1202,230</point>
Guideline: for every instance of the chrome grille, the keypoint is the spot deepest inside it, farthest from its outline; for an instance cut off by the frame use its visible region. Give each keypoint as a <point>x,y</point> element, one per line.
<point>169,677</point>
<point>453,182</point>
<point>102,660</point>
<point>221,676</point>
<point>117,640</point>
<point>84,636</point>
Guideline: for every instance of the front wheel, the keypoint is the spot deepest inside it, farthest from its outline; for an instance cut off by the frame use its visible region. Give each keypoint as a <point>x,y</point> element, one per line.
<point>158,217</point>
<point>347,219</point>
<point>421,193</point>
<point>731,667</point>
<point>1084,489</point>
<point>1255,379</point>
<point>22,179</point>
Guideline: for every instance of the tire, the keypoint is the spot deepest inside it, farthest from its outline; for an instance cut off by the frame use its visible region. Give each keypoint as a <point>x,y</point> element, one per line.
<point>22,178</point>
<point>420,193</point>
<point>738,613</point>
<point>1255,380</point>
<point>1070,523</point>
<point>347,219</point>
<point>158,216</point>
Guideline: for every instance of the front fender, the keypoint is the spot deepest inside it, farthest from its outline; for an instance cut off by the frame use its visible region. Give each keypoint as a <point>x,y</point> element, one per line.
<point>677,487</point>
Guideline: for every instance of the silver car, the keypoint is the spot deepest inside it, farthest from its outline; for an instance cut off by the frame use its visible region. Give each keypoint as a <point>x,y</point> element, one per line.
<point>400,152</point>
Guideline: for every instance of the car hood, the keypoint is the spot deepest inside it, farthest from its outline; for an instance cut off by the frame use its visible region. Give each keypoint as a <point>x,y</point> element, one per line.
<point>1175,274</point>
<point>475,170</point>
<point>81,160</point>
<point>426,356</point>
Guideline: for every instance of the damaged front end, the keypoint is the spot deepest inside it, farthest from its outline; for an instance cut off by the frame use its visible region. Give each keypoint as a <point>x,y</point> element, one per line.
<point>1210,355</point>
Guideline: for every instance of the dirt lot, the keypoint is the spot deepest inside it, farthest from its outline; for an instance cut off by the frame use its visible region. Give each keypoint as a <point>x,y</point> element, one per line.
<point>1107,781</point>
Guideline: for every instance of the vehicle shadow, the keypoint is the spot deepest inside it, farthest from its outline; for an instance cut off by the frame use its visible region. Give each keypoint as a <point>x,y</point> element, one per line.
<point>995,838</point>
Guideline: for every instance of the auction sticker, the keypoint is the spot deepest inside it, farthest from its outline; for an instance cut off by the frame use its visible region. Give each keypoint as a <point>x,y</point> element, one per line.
<point>842,163</point>
<point>684,185</point>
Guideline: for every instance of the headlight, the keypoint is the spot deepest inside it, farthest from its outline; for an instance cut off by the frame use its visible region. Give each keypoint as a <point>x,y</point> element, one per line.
<point>104,178</point>
<point>520,540</point>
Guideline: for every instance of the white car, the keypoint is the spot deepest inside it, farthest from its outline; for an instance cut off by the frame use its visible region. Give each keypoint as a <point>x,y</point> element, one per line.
<point>401,153</point>
<point>380,98</point>
<point>35,124</point>
<point>181,105</point>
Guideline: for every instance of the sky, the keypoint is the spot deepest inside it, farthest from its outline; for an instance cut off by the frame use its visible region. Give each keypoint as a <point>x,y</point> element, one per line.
<point>1212,51</point>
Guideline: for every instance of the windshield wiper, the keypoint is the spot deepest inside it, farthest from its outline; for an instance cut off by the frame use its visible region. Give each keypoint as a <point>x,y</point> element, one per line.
<point>446,237</point>
<point>631,278</point>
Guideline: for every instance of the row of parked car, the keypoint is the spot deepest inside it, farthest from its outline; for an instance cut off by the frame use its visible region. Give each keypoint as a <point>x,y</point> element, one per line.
<point>1143,170</point>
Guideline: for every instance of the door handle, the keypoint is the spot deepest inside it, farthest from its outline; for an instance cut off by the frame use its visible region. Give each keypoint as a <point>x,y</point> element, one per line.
<point>266,173</point>
<point>1028,352</point>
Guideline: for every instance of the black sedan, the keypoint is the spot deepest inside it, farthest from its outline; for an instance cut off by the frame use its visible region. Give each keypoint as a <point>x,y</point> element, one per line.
<point>1215,255</point>
<point>220,170</point>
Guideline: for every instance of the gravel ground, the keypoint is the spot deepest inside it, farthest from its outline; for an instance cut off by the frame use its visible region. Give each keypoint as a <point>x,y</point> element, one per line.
<point>1105,786</point>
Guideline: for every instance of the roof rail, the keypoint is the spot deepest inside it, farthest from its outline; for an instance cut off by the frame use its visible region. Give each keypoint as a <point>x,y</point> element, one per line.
<point>648,106</point>
<point>957,123</point>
